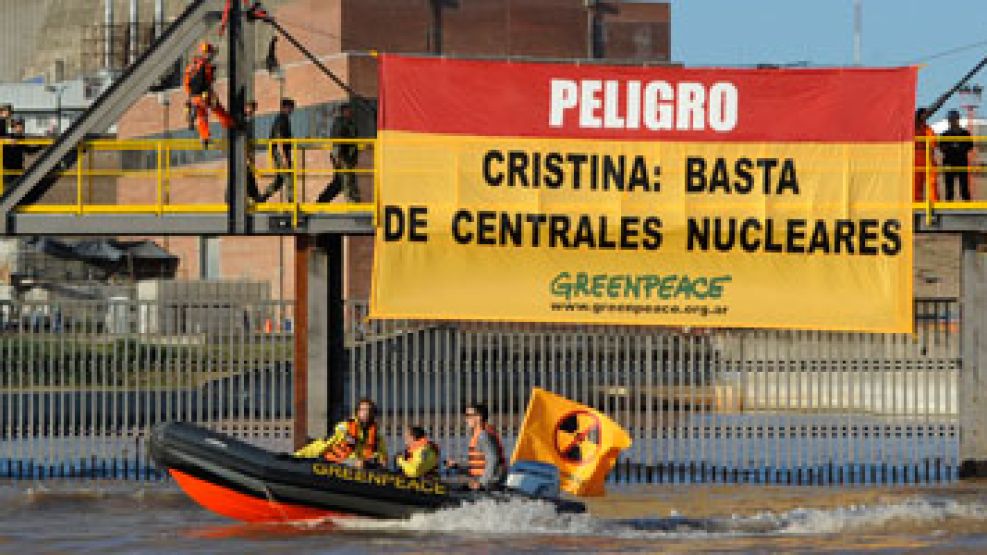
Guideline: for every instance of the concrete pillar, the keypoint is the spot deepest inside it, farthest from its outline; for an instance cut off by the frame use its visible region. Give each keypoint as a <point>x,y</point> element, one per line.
<point>320,357</point>
<point>973,351</point>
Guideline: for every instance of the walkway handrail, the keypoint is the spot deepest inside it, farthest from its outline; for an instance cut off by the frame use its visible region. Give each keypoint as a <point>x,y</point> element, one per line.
<point>163,171</point>
<point>928,203</point>
<point>161,167</point>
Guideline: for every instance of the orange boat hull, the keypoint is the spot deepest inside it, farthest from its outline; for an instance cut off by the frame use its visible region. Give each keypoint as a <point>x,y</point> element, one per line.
<point>245,508</point>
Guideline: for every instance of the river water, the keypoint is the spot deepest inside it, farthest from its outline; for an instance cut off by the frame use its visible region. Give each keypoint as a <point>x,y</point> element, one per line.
<point>122,517</point>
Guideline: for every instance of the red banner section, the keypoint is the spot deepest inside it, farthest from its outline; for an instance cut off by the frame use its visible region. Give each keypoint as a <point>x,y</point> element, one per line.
<point>523,99</point>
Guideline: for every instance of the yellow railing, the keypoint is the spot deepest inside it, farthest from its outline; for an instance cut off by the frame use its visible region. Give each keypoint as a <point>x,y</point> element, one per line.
<point>929,173</point>
<point>163,172</point>
<point>158,167</point>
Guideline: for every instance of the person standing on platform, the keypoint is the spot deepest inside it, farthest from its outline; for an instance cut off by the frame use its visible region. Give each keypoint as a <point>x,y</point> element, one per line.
<point>282,151</point>
<point>5,112</point>
<point>955,145</point>
<point>14,152</point>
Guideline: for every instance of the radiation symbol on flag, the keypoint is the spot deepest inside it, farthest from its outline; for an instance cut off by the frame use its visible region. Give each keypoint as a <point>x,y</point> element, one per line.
<point>577,437</point>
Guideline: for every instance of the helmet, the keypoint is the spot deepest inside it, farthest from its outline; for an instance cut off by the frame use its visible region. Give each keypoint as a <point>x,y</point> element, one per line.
<point>207,48</point>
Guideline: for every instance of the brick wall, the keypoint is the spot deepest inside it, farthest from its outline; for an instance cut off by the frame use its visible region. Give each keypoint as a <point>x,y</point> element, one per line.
<point>537,28</point>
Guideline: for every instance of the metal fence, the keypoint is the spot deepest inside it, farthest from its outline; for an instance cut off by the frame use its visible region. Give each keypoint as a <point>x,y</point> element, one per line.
<point>792,407</point>
<point>81,382</point>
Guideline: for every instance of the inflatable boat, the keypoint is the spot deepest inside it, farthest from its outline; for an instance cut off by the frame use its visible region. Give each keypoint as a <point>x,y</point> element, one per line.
<point>250,484</point>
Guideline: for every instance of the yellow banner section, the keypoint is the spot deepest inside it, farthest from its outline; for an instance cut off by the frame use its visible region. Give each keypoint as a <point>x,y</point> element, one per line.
<point>583,443</point>
<point>782,235</point>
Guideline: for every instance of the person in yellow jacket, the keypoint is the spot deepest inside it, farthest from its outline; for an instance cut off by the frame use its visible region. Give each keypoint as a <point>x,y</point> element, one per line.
<point>355,442</point>
<point>420,457</point>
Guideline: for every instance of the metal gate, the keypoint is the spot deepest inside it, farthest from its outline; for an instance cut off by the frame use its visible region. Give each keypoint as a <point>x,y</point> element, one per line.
<point>81,382</point>
<point>786,407</point>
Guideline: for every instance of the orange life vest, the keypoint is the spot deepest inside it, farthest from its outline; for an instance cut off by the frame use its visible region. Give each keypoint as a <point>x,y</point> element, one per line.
<point>197,85</point>
<point>420,444</point>
<point>341,450</point>
<point>925,139</point>
<point>477,462</point>
<point>925,163</point>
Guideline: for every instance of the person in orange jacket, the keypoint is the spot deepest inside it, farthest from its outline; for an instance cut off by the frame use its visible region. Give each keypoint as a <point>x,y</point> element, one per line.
<point>486,465</point>
<point>925,147</point>
<point>199,78</point>
<point>356,441</point>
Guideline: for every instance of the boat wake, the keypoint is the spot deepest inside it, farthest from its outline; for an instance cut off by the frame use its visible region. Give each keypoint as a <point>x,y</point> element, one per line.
<point>537,518</point>
<point>519,518</point>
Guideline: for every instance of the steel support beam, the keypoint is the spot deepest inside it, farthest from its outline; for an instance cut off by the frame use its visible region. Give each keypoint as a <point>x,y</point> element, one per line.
<point>337,367</point>
<point>300,412</point>
<point>952,221</point>
<point>972,387</point>
<point>186,224</point>
<point>241,76</point>
<point>268,223</point>
<point>118,224</point>
<point>348,223</point>
<point>110,106</point>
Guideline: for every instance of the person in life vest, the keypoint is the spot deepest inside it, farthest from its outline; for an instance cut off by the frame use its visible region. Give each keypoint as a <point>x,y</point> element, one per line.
<point>925,158</point>
<point>355,442</point>
<point>199,78</point>
<point>420,457</point>
<point>486,466</point>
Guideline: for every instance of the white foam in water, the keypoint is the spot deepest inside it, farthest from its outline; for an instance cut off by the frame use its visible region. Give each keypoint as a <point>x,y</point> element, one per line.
<point>518,517</point>
<point>917,510</point>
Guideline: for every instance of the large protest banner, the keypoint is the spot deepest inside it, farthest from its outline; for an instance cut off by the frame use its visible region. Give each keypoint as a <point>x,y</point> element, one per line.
<point>644,195</point>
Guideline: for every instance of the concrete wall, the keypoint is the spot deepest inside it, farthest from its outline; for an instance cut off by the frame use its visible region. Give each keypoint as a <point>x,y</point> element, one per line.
<point>35,33</point>
<point>936,268</point>
<point>20,27</point>
<point>8,257</point>
<point>56,30</point>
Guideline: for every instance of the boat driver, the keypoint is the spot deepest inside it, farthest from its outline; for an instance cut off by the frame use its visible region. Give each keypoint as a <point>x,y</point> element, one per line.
<point>486,467</point>
<point>355,441</point>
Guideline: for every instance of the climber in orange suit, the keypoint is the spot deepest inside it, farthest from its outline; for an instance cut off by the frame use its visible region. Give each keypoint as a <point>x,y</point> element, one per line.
<point>199,77</point>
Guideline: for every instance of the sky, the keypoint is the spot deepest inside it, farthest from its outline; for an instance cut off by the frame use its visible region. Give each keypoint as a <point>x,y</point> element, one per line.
<point>895,33</point>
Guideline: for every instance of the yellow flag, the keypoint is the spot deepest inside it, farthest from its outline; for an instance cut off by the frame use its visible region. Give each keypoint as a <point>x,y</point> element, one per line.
<point>580,441</point>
